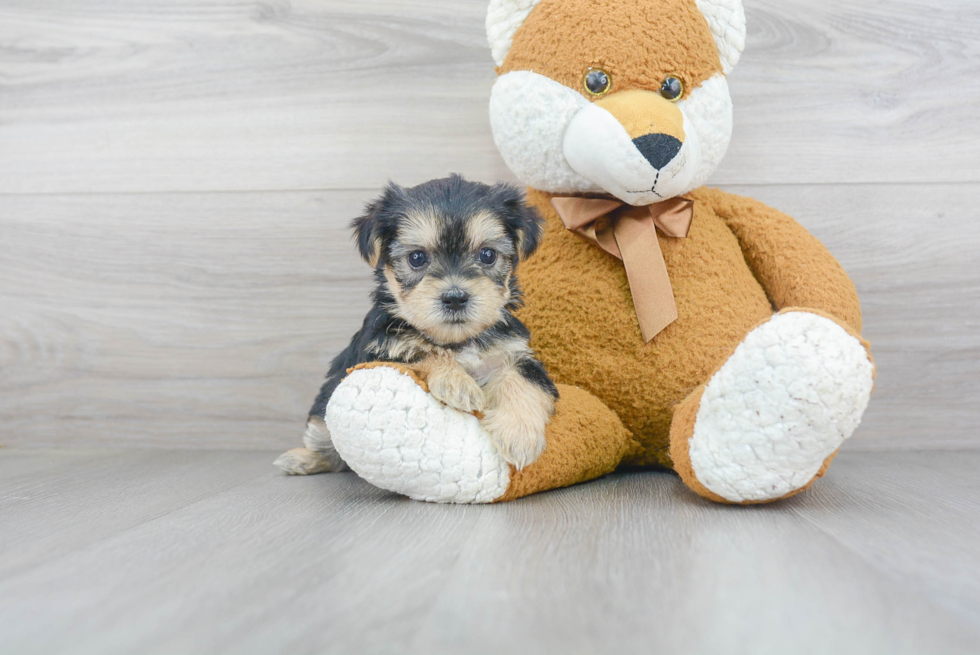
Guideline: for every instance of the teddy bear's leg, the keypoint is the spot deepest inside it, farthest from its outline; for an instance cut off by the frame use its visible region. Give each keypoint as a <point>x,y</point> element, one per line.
<point>395,435</point>
<point>768,422</point>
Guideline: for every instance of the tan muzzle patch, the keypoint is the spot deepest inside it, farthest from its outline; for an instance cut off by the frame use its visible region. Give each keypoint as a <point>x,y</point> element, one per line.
<point>643,113</point>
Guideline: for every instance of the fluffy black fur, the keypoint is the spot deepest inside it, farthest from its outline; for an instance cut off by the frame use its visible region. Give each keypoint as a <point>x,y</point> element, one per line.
<point>376,230</point>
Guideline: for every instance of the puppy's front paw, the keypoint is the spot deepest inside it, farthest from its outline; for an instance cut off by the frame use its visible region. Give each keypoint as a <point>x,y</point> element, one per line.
<point>459,391</point>
<point>519,439</point>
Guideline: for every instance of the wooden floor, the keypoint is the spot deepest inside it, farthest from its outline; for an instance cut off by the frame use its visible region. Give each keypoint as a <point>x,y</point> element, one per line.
<point>107,552</point>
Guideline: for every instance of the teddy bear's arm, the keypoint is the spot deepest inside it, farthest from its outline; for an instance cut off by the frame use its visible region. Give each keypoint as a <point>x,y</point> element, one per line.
<point>794,268</point>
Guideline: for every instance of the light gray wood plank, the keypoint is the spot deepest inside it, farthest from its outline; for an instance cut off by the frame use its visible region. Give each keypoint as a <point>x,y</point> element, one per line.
<point>312,556</point>
<point>657,570</point>
<point>208,320</point>
<point>913,515</point>
<point>192,320</point>
<point>233,95</point>
<point>46,511</point>
<point>849,92</point>
<point>17,465</point>
<point>631,563</point>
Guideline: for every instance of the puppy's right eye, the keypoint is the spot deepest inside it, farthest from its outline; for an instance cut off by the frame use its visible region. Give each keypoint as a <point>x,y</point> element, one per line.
<point>418,259</point>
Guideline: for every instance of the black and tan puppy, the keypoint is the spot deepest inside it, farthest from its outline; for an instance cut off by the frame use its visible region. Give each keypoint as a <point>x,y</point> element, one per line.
<point>444,255</point>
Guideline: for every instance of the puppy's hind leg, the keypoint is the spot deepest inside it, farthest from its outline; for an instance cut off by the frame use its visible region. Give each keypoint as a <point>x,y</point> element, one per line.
<point>319,455</point>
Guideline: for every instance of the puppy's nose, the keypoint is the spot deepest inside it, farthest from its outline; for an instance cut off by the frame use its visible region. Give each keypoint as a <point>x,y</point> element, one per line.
<point>658,149</point>
<point>455,299</point>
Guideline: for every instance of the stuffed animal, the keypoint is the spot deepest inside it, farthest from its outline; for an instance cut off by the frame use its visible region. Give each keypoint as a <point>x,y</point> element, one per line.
<point>687,328</point>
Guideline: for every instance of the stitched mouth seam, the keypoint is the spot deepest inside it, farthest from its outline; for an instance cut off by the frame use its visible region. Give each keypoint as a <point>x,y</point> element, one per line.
<point>653,190</point>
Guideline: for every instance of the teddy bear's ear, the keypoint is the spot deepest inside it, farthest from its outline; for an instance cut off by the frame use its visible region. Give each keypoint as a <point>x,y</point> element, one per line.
<point>504,18</point>
<point>726,18</point>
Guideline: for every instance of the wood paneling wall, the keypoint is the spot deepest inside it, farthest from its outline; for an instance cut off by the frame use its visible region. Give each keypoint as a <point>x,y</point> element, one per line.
<point>176,177</point>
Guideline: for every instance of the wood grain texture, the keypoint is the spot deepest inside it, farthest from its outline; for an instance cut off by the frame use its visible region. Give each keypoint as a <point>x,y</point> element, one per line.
<point>208,320</point>
<point>139,311</point>
<point>245,95</point>
<point>879,557</point>
<point>90,496</point>
<point>189,320</point>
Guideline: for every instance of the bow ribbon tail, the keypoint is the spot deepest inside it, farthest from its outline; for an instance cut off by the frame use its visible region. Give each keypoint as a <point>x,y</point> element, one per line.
<point>630,234</point>
<point>653,298</point>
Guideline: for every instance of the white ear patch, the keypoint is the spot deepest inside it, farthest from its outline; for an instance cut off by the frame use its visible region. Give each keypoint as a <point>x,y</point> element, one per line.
<point>504,18</point>
<point>726,18</point>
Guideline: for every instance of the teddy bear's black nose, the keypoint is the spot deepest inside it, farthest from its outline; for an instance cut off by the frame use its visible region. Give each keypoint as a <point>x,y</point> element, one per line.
<point>658,149</point>
<point>455,299</point>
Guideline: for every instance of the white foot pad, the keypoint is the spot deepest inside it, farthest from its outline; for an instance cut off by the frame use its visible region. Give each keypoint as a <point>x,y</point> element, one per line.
<point>794,390</point>
<point>398,437</point>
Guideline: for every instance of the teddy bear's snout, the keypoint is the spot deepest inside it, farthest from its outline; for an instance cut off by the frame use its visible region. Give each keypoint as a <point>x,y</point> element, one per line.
<point>655,125</point>
<point>633,145</point>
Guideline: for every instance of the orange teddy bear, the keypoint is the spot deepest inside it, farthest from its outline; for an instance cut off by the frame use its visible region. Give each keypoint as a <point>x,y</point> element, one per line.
<point>687,328</point>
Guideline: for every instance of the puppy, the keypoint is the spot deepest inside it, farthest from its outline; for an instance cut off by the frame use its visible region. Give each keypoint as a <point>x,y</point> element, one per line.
<point>444,255</point>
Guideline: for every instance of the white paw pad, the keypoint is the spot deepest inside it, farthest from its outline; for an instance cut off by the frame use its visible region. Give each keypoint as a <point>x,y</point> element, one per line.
<point>794,390</point>
<point>398,437</point>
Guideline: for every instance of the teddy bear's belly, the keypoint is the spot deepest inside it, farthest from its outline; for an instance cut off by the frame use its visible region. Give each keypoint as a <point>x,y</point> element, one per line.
<point>584,327</point>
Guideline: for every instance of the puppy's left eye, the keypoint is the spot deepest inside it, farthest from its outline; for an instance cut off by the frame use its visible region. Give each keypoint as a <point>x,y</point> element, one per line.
<point>418,259</point>
<point>488,256</point>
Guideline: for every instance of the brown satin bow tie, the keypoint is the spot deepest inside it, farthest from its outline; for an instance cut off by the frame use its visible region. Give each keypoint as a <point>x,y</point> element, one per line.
<point>630,233</point>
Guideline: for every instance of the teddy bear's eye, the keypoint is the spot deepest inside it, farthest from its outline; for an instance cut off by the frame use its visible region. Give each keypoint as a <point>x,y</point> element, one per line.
<point>672,89</point>
<point>597,82</point>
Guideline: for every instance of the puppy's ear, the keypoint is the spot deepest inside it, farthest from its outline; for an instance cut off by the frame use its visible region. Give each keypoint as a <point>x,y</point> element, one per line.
<point>522,220</point>
<point>369,228</point>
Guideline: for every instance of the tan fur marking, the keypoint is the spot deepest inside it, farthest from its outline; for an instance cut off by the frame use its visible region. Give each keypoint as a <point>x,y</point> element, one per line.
<point>303,461</point>
<point>375,255</point>
<point>393,285</point>
<point>407,348</point>
<point>518,412</point>
<point>449,382</point>
<point>485,365</point>
<point>638,42</point>
<point>585,440</point>
<point>482,228</point>
<point>420,306</point>
<point>420,230</point>
<point>319,455</point>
